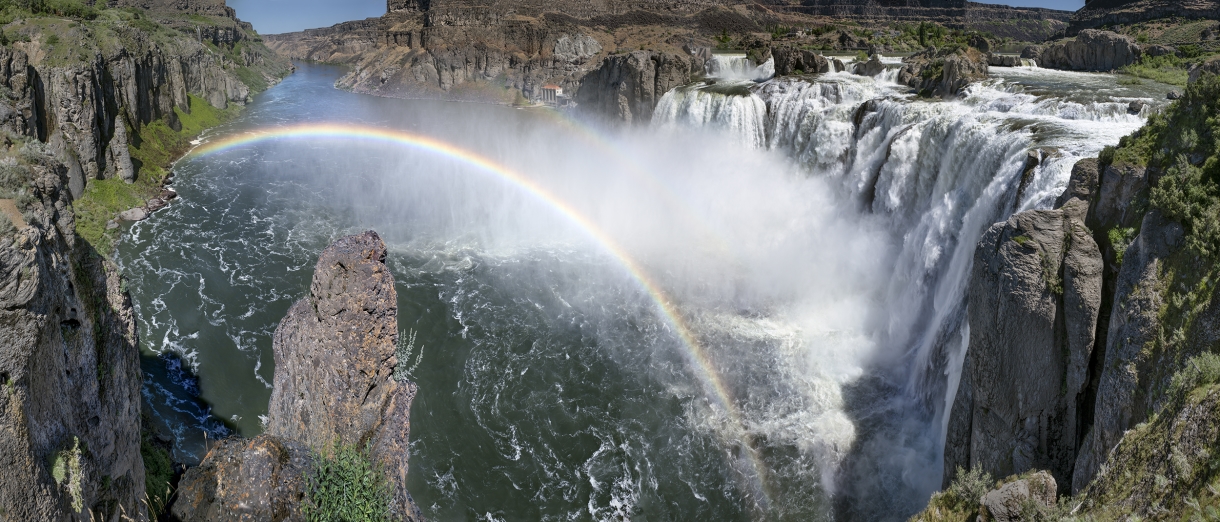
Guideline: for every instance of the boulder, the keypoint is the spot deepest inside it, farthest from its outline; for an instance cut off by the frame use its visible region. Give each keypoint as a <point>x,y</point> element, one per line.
<point>1173,95</point>
<point>1031,52</point>
<point>978,42</point>
<point>793,60</point>
<point>1136,107</point>
<point>1211,66</point>
<point>1160,50</point>
<point>1092,50</point>
<point>257,479</point>
<point>133,214</point>
<point>872,67</point>
<point>1010,502</point>
<point>997,60</point>
<point>943,72</point>
<point>1034,299</point>
<point>838,65</point>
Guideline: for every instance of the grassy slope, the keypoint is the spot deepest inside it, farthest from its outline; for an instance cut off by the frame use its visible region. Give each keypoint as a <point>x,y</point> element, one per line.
<point>75,41</point>
<point>153,148</point>
<point>1186,36</point>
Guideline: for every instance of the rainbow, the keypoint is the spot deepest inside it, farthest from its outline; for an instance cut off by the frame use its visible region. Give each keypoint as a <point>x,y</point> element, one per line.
<point>696,356</point>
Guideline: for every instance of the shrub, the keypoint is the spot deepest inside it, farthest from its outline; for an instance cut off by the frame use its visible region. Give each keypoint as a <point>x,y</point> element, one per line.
<point>1201,370</point>
<point>347,486</point>
<point>970,486</point>
<point>158,476</point>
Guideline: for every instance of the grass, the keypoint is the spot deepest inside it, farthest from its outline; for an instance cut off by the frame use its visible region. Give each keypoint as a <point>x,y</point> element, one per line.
<point>347,486</point>
<point>158,476</point>
<point>154,148</point>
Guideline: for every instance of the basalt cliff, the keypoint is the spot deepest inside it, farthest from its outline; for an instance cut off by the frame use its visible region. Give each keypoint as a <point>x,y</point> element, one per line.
<point>86,94</point>
<point>617,57</point>
<point>1093,338</point>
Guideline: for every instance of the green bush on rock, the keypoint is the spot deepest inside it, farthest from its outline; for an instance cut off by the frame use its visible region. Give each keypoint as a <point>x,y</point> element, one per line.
<point>346,486</point>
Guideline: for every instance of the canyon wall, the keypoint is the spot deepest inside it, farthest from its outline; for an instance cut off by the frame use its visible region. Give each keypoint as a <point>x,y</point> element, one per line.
<point>75,95</point>
<point>1086,322</point>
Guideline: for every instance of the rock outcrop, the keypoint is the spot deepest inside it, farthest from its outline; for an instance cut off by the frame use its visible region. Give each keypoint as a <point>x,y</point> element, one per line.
<point>69,367</point>
<point>1034,299</point>
<point>258,479</point>
<point>943,72</point>
<point>1091,50</point>
<point>334,383</point>
<point>793,60</point>
<point>1011,502</point>
<point>628,86</point>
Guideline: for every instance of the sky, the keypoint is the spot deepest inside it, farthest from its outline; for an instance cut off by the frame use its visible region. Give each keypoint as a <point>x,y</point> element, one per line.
<point>283,16</point>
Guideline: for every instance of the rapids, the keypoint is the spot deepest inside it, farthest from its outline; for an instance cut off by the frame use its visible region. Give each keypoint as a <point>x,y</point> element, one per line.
<point>814,237</point>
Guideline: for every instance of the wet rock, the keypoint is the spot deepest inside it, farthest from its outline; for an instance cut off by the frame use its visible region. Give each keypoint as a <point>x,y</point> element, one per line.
<point>872,67</point>
<point>133,214</point>
<point>154,205</point>
<point>1173,95</point>
<point>167,194</point>
<point>996,60</point>
<point>838,65</point>
<point>1136,107</point>
<point>1010,502</point>
<point>257,479</point>
<point>1092,50</point>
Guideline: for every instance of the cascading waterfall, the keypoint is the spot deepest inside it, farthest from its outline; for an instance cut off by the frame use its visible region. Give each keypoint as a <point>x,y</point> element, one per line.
<point>939,173</point>
<point>738,67</point>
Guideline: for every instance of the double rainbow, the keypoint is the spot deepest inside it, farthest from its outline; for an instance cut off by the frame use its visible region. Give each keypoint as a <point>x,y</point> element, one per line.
<point>695,354</point>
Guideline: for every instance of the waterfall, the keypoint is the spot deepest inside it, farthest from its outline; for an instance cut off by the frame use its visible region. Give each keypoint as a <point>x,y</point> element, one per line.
<point>939,173</point>
<point>738,67</point>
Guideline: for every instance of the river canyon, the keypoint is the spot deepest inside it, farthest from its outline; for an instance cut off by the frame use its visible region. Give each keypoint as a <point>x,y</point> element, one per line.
<point>752,307</point>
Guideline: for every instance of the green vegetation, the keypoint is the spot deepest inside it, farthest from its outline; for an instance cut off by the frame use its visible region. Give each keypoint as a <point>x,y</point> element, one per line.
<point>154,148</point>
<point>1120,239</point>
<point>406,345</point>
<point>347,486</point>
<point>1022,239</point>
<point>66,470</point>
<point>158,476</point>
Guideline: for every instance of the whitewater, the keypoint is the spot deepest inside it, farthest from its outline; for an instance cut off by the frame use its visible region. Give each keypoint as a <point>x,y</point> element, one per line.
<point>814,235</point>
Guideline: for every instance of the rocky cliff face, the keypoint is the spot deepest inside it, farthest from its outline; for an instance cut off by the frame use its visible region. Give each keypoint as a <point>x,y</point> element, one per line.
<point>69,363</point>
<point>1092,50</point>
<point>1100,13</point>
<point>69,366</point>
<point>1107,381</point>
<point>505,51</point>
<point>627,87</point>
<point>1034,299</point>
<point>334,383</point>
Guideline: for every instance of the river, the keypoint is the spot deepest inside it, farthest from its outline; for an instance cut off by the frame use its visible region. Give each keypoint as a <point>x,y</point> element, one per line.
<point>750,310</point>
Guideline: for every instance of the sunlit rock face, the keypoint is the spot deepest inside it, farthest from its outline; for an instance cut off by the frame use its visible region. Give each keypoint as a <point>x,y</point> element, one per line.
<point>334,384</point>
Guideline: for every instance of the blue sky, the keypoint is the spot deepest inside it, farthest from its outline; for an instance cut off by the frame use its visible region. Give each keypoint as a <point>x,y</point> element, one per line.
<point>282,16</point>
